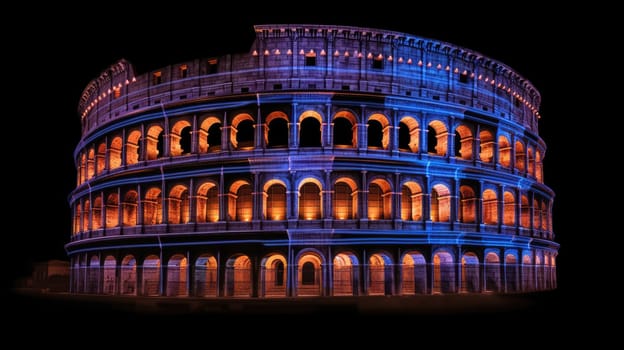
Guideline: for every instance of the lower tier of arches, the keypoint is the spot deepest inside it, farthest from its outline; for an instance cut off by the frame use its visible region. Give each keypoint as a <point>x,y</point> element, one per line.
<point>260,271</point>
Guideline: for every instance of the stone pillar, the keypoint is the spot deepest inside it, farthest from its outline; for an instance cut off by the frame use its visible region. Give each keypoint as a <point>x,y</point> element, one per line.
<point>500,207</point>
<point>124,150</point>
<point>142,145</point>
<point>194,136</point>
<point>363,203</point>
<point>256,198</point>
<point>293,140</point>
<point>225,135</point>
<point>327,213</point>
<point>294,198</point>
<point>258,127</point>
<point>192,202</point>
<point>222,199</point>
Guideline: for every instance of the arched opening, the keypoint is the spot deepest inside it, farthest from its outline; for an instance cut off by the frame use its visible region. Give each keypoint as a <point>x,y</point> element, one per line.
<point>277,133</point>
<point>310,200</point>
<point>437,138</point>
<point>463,142</point>
<point>470,273</point>
<point>275,201</point>
<point>345,281</point>
<point>151,276</point>
<point>110,275</point>
<point>490,207</point>
<point>309,275</point>
<point>531,169</point>
<point>345,132</point>
<point>538,167</point>
<point>375,134</point>
<point>112,210</point>
<point>527,274</point>
<point>93,276</point>
<point>411,202</point>
<point>378,131</point>
<point>511,273</point>
<point>409,135</point>
<point>128,275</point>
<point>152,207</point>
<point>133,147</point>
<point>179,209</point>
<point>242,132</point>
<point>180,138</point>
<point>274,276</point>
<point>91,163</point>
<point>413,274</point>
<point>209,135</point>
<point>240,204</point>
<point>177,276</point>
<point>207,202</point>
<point>130,208</point>
<point>345,199</point>
<point>238,276</point>
<point>96,222</point>
<point>487,146</point>
<point>524,211</point>
<point>379,275</point>
<point>85,215</point>
<point>544,211</point>
<point>509,209</point>
<point>537,215</point>
<point>519,156</point>
<point>467,204</point>
<point>310,132</point>
<point>206,276</point>
<point>82,168</point>
<point>114,153</point>
<point>492,272</point>
<point>504,151</point>
<point>379,200</point>
<point>100,158</point>
<point>440,203</point>
<point>155,143</point>
<point>443,273</point>
<point>77,218</point>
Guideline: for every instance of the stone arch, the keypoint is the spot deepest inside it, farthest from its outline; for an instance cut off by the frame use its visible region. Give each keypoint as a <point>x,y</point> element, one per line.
<point>413,273</point>
<point>133,147</point>
<point>379,200</point>
<point>180,138</point>
<point>110,275</point>
<point>378,128</point>
<point>380,279</point>
<point>155,142</point>
<point>519,149</point>
<point>511,272</point>
<point>345,276</point>
<point>276,130</point>
<point>509,208</point>
<point>152,206</point>
<point>345,129</point>
<point>310,199</point>
<point>205,275</point>
<point>112,210</point>
<point>309,274</point>
<point>238,279</point>
<point>486,142</point>
<point>490,207</point>
<point>240,203</point>
<point>274,275</point>
<point>114,153</point>
<point>467,204</point>
<point>443,272</point>
<point>440,203</point>
<point>310,129</point>
<point>492,272</point>
<point>411,201</point>
<point>409,134</point>
<point>463,142</point>
<point>129,207</point>
<point>275,200</point>
<point>345,199</point>
<point>242,131</point>
<point>177,276</point>
<point>151,275</point>
<point>437,138</point>
<point>179,205</point>
<point>470,273</point>
<point>209,134</point>
<point>207,202</point>
<point>128,275</point>
<point>504,151</point>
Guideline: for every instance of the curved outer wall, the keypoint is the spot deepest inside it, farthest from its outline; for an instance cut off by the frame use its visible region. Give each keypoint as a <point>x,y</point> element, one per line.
<point>327,160</point>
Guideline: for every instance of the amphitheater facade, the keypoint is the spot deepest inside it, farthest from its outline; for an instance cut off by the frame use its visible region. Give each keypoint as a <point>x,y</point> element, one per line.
<point>325,161</point>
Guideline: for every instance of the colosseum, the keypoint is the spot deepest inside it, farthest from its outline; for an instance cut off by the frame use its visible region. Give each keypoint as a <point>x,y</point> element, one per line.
<point>325,161</point>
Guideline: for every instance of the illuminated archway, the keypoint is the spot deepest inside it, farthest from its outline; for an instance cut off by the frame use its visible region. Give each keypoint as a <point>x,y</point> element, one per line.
<point>379,200</point>
<point>504,151</point>
<point>240,203</point>
<point>345,281</point>
<point>207,202</point>
<point>310,132</point>
<point>413,273</point>
<point>531,163</point>
<point>538,167</point>
<point>129,208</point>
<point>128,275</point>
<point>209,135</point>
<point>437,138</point>
<point>151,275</point>
<point>100,158</point>
<point>180,138</point>
<point>96,213</point>
<point>440,204</point>
<point>206,276</point>
<point>133,147</point>
<point>112,210</point>
<point>93,276</point>
<point>86,215</point>
<point>345,199</point>
<point>310,199</point>
<point>524,211</point>
<point>114,153</point>
<point>463,142</point>
<point>110,275</point>
<point>177,276</point>
<point>309,275</point>
<point>274,276</point>
<point>179,205</point>
<point>511,273</point>
<point>380,274</point>
<point>509,209</point>
<point>276,131</point>
<point>409,134</point>
<point>490,207</point>
<point>528,282</point>
<point>91,163</point>
<point>275,200</point>
<point>487,146</point>
<point>152,207</point>
<point>470,273</point>
<point>411,201</point>
<point>467,204</point>
<point>519,149</point>
<point>443,273</point>
<point>154,143</point>
<point>238,276</point>
<point>492,272</point>
<point>345,129</point>
<point>242,131</point>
